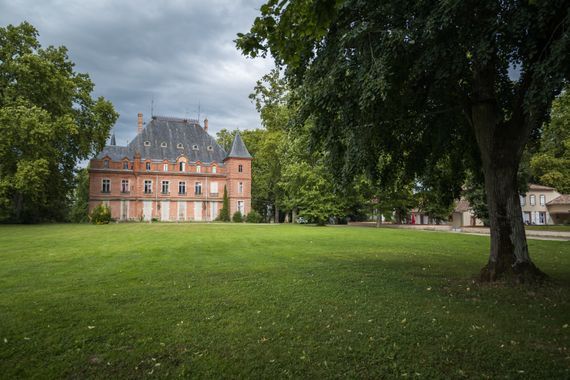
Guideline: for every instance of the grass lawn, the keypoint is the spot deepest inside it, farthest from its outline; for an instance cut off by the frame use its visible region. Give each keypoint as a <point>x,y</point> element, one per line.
<point>264,301</point>
<point>560,227</point>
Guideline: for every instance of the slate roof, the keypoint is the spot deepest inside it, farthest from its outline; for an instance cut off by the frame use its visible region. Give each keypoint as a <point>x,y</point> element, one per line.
<point>238,148</point>
<point>172,131</point>
<point>564,199</point>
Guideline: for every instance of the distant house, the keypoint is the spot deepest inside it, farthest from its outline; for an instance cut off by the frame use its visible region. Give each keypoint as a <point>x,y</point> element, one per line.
<point>173,170</point>
<point>463,215</point>
<point>544,205</point>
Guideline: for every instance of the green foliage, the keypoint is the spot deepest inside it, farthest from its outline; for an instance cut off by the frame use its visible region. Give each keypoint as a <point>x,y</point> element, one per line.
<point>48,121</point>
<point>101,214</point>
<point>237,217</point>
<point>79,212</point>
<point>551,165</point>
<point>254,217</point>
<point>224,215</point>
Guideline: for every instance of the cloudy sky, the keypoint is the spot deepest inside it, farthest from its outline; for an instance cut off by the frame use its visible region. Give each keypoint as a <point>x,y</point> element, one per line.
<point>178,52</point>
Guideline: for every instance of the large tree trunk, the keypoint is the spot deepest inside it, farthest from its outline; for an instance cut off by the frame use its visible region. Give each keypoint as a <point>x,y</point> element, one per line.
<point>501,144</point>
<point>294,215</point>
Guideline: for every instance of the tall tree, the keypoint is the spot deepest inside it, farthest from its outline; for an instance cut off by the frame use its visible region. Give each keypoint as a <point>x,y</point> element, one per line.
<point>551,165</point>
<point>48,121</point>
<point>79,212</point>
<point>424,79</point>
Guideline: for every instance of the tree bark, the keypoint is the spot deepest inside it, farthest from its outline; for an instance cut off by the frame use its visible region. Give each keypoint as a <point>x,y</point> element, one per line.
<point>501,144</point>
<point>276,214</point>
<point>294,215</point>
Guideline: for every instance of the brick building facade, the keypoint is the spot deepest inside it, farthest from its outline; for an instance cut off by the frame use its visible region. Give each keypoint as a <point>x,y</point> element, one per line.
<point>173,170</point>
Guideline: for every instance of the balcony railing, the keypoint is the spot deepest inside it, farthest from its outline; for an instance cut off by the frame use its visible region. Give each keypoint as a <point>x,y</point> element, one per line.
<point>214,194</point>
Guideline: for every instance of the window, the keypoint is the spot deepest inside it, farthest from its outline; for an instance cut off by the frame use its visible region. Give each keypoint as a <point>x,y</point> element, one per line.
<point>210,148</point>
<point>241,207</point>
<point>198,169</point>
<point>214,188</point>
<point>240,168</point>
<point>163,144</point>
<point>240,187</point>
<point>198,188</point>
<point>532,200</point>
<point>523,200</point>
<point>147,166</point>
<point>182,166</point>
<point>181,187</point>
<point>124,186</point>
<point>194,147</point>
<point>106,186</point>
<point>147,143</point>
<point>541,218</point>
<point>106,164</point>
<point>125,164</point>
<point>542,199</point>
<point>148,186</point>
<point>214,169</point>
<point>165,167</point>
<point>165,185</point>
<point>180,146</point>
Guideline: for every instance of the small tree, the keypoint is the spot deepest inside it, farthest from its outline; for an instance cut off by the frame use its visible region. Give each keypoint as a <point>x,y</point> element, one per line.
<point>225,211</point>
<point>79,212</point>
<point>237,217</point>
<point>253,217</point>
<point>101,214</point>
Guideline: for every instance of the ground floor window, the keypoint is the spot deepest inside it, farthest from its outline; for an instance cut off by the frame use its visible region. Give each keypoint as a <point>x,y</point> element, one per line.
<point>241,207</point>
<point>541,218</point>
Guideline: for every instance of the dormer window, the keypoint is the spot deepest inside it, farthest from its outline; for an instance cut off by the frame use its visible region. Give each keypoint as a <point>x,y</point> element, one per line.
<point>180,146</point>
<point>194,147</point>
<point>147,143</point>
<point>198,169</point>
<point>214,169</point>
<point>147,165</point>
<point>106,164</point>
<point>163,144</point>
<point>125,165</point>
<point>182,166</point>
<point>210,148</point>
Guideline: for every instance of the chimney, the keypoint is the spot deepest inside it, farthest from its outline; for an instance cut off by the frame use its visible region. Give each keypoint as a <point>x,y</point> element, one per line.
<point>206,124</point>
<point>140,126</point>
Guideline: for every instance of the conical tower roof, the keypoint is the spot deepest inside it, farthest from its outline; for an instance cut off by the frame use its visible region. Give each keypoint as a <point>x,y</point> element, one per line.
<point>238,148</point>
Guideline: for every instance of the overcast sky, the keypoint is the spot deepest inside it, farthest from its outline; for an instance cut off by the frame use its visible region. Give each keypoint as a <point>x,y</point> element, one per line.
<point>179,53</point>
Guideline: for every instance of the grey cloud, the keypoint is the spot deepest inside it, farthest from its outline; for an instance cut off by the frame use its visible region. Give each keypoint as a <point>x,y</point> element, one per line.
<point>179,53</point>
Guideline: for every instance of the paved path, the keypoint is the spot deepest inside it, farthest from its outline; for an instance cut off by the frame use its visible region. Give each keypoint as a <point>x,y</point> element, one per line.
<point>530,234</point>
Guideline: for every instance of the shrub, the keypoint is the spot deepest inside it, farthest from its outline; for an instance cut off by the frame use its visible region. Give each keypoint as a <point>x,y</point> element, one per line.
<point>237,218</point>
<point>253,217</point>
<point>101,214</point>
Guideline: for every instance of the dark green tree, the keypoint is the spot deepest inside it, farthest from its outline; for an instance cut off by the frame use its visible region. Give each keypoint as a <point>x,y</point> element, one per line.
<point>48,122</point>
<point>225,211</point>
<point>423,80</point>
<point>79,212</point>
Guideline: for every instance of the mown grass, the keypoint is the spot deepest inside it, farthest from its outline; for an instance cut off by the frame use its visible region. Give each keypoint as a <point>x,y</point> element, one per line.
<point>559,227</point>
<point>262,301</point>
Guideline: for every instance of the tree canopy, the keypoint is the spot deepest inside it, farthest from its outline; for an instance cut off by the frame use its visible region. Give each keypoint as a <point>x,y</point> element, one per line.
<point>426,83</point>
<point>48,122</point>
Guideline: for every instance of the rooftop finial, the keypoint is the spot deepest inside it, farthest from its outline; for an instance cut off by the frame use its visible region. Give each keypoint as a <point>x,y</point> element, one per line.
<point>113,141</point>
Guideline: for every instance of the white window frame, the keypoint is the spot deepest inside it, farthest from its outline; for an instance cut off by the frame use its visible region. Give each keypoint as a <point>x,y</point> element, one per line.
<point>532,200</point>
<point>182,185</point>
<point>542,199</point>
<point>106,182</point>
<point>147,166</point>
<point>198,169</point>
<point>523,200</point>
<point>165,187</point>
<point>164,167</point>
<point>148,185</point>
<point>124,186</point>
<point>125,165</point>
<point>198,188</point>
<point>213,188</point>
<point>106,164</point>
<point>182,166</point>
<point>240,168</point>
<point>240,187</point>
<point>214,169</point>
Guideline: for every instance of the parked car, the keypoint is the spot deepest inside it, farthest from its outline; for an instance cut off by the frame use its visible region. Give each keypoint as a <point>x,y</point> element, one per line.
<point>302,220</point>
